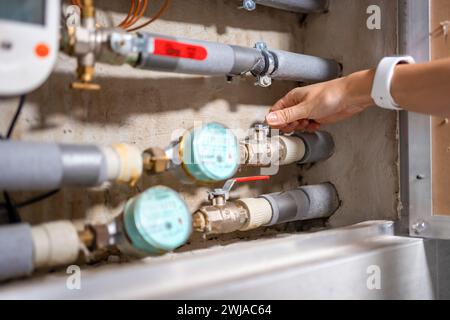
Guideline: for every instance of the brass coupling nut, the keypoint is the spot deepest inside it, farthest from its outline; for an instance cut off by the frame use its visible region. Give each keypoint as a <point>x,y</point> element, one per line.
<point>155,160</point>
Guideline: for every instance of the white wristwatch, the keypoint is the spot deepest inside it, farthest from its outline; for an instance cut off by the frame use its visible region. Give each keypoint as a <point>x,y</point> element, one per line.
<point>381,89</point>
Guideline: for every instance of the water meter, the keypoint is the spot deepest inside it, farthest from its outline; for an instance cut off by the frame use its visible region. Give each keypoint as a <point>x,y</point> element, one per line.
<point>157,221</point>
<point>206,153</point>
<point>29,32</point>
<point>210,153</point>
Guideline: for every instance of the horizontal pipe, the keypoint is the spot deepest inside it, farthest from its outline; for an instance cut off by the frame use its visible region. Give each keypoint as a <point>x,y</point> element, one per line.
<point>40,166</point>
<point>301,6</point>
<point>304,68</point>
<point>16,251</point>
<point>55,244</point>
<point>173,54</point>
<point>300,147</point>
<point>303,203</point>
<point>34,166</point>
<point>319,146</point>
<point>24,249</point>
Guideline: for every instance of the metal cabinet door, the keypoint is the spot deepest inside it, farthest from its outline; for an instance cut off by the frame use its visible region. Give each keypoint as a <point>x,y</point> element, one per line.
<point>416,135</point>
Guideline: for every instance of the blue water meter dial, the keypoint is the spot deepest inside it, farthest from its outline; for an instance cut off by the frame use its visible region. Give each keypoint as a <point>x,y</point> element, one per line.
<point>157,220</point>
<point>210,153</point>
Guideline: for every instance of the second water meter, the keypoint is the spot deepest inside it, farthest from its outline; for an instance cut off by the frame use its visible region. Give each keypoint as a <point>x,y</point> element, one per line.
<point>206,153</point>
<point>157,221</point>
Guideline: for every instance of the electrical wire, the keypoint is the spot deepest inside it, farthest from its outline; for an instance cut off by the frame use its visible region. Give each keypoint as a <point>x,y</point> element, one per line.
<point>13,215</point>
<point>12,125</point>
<point>36,199</point>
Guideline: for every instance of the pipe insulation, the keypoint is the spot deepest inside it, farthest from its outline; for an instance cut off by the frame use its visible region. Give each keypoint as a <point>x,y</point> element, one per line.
<point>16,251</point>
<point>319,146</point>
<point>303,203</point>
<point>301,6</point>
<point>35,166</point>
<point>173,54</point>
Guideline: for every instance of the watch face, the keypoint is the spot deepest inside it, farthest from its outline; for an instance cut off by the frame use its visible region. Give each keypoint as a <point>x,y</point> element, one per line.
<point>157,220</point>
<point>211,153</point>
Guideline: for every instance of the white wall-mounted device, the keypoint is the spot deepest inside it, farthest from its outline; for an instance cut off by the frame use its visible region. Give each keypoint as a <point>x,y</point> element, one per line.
<point>29,43</point>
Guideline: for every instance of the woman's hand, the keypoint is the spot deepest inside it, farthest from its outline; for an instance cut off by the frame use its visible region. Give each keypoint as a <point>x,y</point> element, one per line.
<point>306,108</point>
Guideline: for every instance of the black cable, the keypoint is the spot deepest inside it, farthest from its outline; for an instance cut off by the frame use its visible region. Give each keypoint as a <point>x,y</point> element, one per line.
<point>12,125</point>
<point>13,215</point>
<point>36,199</point>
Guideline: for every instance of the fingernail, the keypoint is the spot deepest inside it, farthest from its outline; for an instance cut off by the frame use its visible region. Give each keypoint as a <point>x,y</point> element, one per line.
<point>272,118</point>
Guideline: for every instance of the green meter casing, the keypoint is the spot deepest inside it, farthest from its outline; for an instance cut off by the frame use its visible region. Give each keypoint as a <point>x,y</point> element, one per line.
<point>157,221</point>
<point>207,153</point>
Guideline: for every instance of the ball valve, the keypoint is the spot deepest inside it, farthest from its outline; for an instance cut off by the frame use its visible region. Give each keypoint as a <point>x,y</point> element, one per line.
<point>302,203</point>
<point>260,150</point>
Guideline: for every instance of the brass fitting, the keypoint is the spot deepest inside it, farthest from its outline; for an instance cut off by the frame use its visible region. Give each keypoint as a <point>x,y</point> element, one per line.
<point>88,9</point>
<point>87,237</point>
<point>220,219</point>
<point>83,37</point>
<point>103,235</point>
<point>85,74</point>
<point>155,160</point>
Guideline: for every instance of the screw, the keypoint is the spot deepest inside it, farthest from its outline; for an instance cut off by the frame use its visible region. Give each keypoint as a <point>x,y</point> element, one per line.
<point>261,45</point>
<point>420,177</point>
<point>249,5</point>
<point>264,81</point>
<point>419,227</point>
<point>261,127</point>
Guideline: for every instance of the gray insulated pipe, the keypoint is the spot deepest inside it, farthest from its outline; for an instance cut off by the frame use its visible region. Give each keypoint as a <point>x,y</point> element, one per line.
<point>303,203</point>
<point>45,166</point>
<point>37,166</point>
<point>301,6</point>
<point>318,146</point>
<point>172,54</point>
<point>16,251</point>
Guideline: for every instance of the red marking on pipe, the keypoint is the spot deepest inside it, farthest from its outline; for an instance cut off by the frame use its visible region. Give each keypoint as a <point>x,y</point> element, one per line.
<point>177,49</point>
<point>254,178</point>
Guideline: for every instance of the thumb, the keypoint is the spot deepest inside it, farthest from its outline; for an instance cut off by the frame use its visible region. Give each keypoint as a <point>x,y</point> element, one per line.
<point>285,116</point>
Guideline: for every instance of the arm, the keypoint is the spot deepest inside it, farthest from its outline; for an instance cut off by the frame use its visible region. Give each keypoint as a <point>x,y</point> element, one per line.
<point>423,88</point>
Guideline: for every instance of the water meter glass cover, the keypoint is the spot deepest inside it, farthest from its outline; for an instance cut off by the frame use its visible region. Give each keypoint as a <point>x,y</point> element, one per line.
<point>157,220</point>
<point>211,153</point>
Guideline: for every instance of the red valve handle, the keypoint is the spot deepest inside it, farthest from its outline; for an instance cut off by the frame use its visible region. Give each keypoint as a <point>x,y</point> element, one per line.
<point>229,183</point>
<point>253,178</point>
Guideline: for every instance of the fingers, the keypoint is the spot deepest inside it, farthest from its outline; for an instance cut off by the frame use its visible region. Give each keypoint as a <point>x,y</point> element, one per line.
<point>286,116</point>
<point>290,127</point>
<point>292,98</point>
<point>303,125</point>
<point>313,126</point>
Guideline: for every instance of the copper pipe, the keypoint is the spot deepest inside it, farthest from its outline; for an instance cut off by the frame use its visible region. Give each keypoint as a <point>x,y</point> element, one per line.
<point>157,16</point>
<point>130,13</point>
